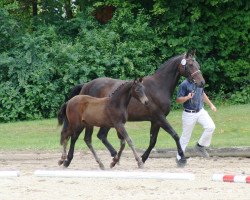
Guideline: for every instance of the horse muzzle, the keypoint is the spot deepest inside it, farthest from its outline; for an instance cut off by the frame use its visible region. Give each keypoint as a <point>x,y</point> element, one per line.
<point>201,84</point>
<point>144,101</point>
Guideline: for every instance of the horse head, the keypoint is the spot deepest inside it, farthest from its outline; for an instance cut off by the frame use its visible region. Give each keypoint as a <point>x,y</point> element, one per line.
<point>138,91</point>
<point>190,68</point>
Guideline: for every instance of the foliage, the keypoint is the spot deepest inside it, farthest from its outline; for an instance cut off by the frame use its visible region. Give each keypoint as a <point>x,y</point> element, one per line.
<point>8,30</point>
<point>44,54</point>
<point>241,97</point>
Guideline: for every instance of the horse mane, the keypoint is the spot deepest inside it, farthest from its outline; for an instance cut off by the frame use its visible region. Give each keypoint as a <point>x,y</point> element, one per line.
<point>168,62</point>
<point>118,88</point>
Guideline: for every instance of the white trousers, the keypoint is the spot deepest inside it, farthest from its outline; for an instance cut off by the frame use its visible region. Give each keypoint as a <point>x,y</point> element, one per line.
<point>188,122</point>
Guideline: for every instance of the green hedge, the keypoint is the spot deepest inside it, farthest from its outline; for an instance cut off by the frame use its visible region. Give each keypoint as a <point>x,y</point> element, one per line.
<point>41,60</point>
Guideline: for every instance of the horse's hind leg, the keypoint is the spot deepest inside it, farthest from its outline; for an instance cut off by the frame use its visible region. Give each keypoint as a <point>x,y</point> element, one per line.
<point>73,140</point>
<point>116,159</point>
<point>88,141</point>
<point>102,135</point>
<point>64,153</point>
<point>64,141</point>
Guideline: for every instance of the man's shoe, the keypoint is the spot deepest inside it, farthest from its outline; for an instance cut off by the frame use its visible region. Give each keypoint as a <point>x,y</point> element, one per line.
<point>181,163</point>
<point>201,151</point>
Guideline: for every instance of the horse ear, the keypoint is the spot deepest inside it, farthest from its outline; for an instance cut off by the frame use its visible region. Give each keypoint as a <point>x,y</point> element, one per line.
<point>191,53</point>
<point>141,79</point>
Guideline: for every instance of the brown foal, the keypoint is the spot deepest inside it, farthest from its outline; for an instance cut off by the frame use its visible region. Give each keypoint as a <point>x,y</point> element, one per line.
<point>83,111</point>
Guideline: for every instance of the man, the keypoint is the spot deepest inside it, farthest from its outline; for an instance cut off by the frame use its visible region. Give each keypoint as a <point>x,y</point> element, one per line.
<point>193,98</point>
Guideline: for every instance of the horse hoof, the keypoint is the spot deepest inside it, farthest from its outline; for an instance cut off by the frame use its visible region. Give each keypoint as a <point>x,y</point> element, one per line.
<point>60,162</point>
<point>181,163</point>
<point>115,161</point>
<point>140,165</point>
<point>143,159</point>
<point>101,166</point>
<point>112,164</point>
<point>66,163</point>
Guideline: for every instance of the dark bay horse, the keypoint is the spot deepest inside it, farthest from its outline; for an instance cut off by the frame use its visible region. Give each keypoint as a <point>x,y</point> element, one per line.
<point>159,89</point>
<point>84,111</point>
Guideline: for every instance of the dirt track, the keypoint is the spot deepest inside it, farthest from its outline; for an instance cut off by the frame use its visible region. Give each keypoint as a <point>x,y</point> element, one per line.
<point>29,187</point>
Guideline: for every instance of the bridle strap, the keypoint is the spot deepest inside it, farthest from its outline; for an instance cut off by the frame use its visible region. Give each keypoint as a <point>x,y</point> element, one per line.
<point>198,71</point>
<point>182,69</point>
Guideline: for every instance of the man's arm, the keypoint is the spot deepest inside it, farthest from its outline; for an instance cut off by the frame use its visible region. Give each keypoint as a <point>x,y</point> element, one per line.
<point>184,99</point>
<point>207,101</point>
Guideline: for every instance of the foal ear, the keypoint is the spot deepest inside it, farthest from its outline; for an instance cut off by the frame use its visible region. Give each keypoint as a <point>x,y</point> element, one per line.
<point>141,79</point>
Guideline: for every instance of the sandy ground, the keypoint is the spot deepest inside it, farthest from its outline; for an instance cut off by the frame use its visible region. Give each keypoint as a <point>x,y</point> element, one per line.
<point>30,187</point>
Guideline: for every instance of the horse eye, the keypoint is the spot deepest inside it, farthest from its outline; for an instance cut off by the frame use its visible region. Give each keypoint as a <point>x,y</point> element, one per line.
<point>137,89</point>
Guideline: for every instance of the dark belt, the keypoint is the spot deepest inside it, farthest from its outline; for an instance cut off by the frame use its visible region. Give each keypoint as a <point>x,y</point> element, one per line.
<point>191,111</point>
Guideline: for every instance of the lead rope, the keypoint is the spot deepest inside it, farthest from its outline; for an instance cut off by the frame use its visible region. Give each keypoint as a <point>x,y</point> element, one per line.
<point>193,91</point>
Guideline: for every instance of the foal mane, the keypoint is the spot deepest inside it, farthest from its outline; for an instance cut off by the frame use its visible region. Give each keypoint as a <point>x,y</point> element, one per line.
<point>118,88</point>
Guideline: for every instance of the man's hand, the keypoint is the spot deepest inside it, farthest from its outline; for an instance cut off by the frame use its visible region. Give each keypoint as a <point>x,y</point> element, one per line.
<point>213,108</point>
<point>186,98</point>
<point>190,95</point>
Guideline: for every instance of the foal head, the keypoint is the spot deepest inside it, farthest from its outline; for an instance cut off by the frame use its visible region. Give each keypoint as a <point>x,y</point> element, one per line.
<point>138,91</point>
<point>190,68</point>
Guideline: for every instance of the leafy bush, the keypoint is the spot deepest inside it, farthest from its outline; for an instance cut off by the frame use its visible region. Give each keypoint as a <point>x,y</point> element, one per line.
<point>42,57</point>
<point>44,65</point>
<point>241,97</point>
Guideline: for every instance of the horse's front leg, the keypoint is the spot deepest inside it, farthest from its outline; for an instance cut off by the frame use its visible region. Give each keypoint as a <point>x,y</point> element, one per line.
<point>168,128</point>
<point>154,130</point>
<point>121,129</point>
<point>88,141</point>
<point>102,135</point>
<point>116,159</point>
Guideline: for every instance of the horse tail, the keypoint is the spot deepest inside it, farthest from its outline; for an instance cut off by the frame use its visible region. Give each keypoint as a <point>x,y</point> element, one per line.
<point>61,115</point>
<point>63,119</point>
<point>75,91</point>
<point>63,132</point>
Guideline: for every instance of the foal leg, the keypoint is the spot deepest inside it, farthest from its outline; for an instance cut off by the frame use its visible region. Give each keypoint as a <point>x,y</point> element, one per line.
<point>116,159</point>
<point>102,135</point>
<point>73,140</point>
<point>88,141</point>
<point>154,130</point>
<point>121,129</point>
<point>65,135</point>
<point>64,153</point>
